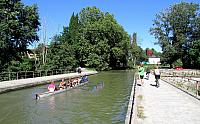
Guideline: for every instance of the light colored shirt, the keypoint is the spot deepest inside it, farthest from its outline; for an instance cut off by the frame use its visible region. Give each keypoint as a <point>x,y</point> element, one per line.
<point>157,72</point>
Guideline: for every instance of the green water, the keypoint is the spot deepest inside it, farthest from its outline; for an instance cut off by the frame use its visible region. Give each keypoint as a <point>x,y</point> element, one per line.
<point>103,100</point>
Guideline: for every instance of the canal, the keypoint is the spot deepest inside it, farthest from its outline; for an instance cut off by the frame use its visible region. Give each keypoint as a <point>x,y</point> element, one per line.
<point>103,100</point>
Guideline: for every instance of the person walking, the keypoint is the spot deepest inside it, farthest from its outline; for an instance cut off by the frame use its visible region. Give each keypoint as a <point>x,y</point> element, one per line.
<point>141,73</point>
<point>147,73</point>
<point>157,76</point>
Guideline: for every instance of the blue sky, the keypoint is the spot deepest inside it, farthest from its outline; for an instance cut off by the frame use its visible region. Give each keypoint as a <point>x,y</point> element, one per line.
<point>134,16</point>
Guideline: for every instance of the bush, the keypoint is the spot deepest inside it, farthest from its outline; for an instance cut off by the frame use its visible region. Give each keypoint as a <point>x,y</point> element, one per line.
<point>177,63</point>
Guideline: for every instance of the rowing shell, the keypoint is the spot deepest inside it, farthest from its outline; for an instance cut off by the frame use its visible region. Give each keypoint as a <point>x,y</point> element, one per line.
<point>45,94</point>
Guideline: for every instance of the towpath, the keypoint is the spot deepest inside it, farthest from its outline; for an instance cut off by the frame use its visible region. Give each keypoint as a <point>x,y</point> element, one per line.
<point>164,105</point>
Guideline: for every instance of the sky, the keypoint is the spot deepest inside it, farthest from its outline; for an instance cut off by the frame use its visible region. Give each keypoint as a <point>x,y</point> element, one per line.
<point>134,16</point>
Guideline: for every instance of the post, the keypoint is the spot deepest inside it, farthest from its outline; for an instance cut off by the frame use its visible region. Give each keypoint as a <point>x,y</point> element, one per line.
<point>17,75</point>
<point>197,88</point>
<point>25,75</point>
<point>9,75</point>
<point>33,74</point>
<point>173,74</point>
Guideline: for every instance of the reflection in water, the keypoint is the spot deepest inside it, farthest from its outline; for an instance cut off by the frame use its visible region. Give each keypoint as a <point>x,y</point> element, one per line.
<point>97,87</point>
<point>77,90</point>
<point>52,103</point>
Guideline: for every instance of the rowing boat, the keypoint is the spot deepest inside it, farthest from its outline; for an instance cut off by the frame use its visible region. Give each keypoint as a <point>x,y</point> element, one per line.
<point>45,94</point>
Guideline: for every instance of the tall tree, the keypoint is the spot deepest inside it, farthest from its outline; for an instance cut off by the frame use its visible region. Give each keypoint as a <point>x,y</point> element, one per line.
<point>135,50</point>
<point>93,39</point>
<point>19,25</point>
<point>106,39</point>
<point>176,29</point>
<point>73,28</point>
<point>195,54</point>
<point>60,55</point>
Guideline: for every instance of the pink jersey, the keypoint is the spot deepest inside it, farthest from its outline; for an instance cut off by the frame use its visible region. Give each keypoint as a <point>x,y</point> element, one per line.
<point>51,87</point>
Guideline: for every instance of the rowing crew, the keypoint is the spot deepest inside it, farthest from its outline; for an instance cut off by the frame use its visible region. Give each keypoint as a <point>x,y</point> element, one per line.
<point>63,85</point>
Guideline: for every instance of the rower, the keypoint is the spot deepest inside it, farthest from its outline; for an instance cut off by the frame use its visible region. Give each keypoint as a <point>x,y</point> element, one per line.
<point>73,81</point>
<point>76,81</point>
<point>84,79</point>
<point>62,84</point>
<point>79,70</point>
<point>69,84</point>
<point>52,87</point>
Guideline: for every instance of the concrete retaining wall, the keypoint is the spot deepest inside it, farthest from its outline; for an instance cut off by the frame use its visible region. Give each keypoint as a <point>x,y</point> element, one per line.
<point>131,106</point>
<point>6,86</point>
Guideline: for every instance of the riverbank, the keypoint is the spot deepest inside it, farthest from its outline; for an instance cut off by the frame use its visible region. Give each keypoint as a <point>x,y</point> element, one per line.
<point>7,86</point>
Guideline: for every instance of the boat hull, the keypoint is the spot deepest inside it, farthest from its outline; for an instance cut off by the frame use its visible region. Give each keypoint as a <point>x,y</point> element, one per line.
<point>46,94</point>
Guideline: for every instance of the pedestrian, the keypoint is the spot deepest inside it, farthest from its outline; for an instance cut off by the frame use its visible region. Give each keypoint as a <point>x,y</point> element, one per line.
<point>147,73</point>
<point>141,73</point>
<point>157,75</point>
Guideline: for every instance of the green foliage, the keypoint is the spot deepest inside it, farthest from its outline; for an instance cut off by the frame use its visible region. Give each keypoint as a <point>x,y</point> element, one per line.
<point>177,63</point>
<point>176,29</point>
<point>19,25</point>
<point>142,56</point>
<point>104,37</point>
<point>136,53</point>
<point>60,56</point>
<point>195,54</point>
<point>93,39</point>
<point>25,64</point>
<point>73,29</point>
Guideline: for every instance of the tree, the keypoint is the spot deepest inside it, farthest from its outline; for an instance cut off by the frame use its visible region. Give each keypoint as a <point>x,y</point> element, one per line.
<point>176,29</point>
<point>19,25</point>
<point>104,37</point>
<point>135,50</point>
<point>142,56</point>
<point>93,39</point>
<point>73,29</point>
<point>60,55</point>
<point>195,54</point>
<point>39,51</point>
<point>62,52</point>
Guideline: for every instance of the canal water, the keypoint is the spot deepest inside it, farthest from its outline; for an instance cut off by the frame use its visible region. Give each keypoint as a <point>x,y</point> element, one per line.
<point>103,100</point>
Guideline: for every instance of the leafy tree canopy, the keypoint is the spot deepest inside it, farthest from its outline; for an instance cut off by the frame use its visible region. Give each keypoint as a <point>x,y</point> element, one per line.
<point>19,25</point>
<point>176,29</point>
<point>93,39</point>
